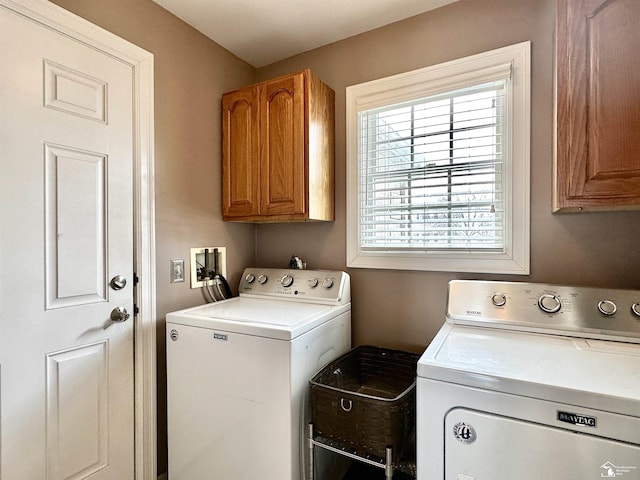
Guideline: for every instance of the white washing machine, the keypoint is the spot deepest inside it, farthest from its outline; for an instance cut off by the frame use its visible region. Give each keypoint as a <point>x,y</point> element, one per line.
<point>533,382</point>
<point>238,374</point>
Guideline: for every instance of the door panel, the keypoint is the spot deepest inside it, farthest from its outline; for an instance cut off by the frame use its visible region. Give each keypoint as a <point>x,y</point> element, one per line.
<point>597,53</point>
<point>283,162</point>
<point>75,206</point>
<point>240,167</point>
<point>77,388</point>
<point>486,446</point>
<point>66,228</point>
<point>74,92</point>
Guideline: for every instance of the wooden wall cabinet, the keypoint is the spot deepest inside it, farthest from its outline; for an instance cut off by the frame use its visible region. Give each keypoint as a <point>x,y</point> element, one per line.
<point>598,105</point>
<point>278,151</point>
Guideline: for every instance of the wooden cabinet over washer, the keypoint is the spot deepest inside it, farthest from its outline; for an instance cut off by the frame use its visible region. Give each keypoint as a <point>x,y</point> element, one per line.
<point>598,105</point>
<point>278,151</point>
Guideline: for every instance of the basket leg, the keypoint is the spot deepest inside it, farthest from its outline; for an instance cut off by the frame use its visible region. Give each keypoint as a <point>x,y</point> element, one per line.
<point>311,451</point>
<point>388,466</point>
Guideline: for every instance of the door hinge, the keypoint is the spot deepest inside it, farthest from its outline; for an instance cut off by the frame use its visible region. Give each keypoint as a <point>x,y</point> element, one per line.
<point>136,310</point>
<point>136,280</point>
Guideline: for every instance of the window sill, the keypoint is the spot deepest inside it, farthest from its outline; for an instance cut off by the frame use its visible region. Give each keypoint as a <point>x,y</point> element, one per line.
<point>468,262</point>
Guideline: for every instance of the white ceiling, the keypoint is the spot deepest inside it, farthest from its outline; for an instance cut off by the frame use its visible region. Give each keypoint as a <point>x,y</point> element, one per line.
<point>265,31</point>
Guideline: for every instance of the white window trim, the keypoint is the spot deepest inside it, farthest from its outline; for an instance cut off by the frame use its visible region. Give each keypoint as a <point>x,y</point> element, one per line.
<point>430,81</point>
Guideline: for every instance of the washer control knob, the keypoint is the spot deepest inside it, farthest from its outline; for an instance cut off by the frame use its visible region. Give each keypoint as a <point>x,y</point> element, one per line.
<point>262,279</point>
<point>635,309</point>
<point>498,299</point>
<point>549,303</point>
<point>250,278</point>
<point>607,307</point>
<point>312,282</point>
<point>286,280</point>
<point>327,283</point>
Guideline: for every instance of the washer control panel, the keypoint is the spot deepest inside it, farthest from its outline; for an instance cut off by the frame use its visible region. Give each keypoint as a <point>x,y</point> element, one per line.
<point>318,286</point>
<point>575,311</point>
<point>550,303</point>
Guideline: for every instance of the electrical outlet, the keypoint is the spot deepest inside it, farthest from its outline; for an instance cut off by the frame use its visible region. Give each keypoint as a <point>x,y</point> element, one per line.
<point>197,264</point>
<point>177,270</point>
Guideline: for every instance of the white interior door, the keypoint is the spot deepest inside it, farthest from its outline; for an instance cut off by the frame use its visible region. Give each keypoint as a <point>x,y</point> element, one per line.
<point>66,229</point>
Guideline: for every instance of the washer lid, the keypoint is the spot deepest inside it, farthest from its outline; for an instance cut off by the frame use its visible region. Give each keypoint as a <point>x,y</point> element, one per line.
<point>595,373</point>
<point>264,318</point>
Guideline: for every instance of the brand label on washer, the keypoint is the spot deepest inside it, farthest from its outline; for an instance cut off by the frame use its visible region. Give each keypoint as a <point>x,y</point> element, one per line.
<point>220,336</point>
<point>464,432</point>
<point>577,419</point>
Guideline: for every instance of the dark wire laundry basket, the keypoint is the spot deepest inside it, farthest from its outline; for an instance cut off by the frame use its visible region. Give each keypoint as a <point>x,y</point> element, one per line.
<point>366,400</point>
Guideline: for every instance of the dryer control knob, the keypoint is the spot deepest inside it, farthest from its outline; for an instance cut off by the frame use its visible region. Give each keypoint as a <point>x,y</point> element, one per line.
<point>250,278</point>
<point>499,299</point>
<point>607,307</point>
<point>312,282</point>
<point>327,283</point>
<point>635,309</point>
<point>549,303</point>
<point>286,280</point>
<point>262,279</point>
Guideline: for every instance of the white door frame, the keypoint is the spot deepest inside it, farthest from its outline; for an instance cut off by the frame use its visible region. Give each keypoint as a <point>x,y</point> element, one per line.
<point>56,18</point>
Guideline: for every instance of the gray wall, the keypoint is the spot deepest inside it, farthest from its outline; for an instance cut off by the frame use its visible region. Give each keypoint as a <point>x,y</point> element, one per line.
<point>405,308</point>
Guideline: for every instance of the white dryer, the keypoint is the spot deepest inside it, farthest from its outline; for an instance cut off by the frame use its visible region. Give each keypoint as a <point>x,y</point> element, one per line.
<point>238,373</point>
<point>533,382</point>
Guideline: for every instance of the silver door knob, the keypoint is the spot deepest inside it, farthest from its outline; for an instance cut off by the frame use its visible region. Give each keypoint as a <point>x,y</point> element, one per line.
<point>118,282</point>
<point>119,314</point>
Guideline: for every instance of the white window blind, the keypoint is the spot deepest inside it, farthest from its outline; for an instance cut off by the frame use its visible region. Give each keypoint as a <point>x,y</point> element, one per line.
<point>431,171</point>
<point>438,166</point>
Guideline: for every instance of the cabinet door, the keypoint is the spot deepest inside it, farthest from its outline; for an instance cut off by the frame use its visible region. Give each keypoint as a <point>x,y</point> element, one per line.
<point>240,168</point>
<point>282,143</point>
<point>598,119</point>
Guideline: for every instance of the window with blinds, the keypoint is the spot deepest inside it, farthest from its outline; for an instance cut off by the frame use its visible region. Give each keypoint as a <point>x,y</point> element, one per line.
<point>431,172</point>
<point>438,167</point>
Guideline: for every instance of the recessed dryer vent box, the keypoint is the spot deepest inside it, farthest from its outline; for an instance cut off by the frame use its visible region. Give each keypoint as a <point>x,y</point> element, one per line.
<point>198,262</point>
